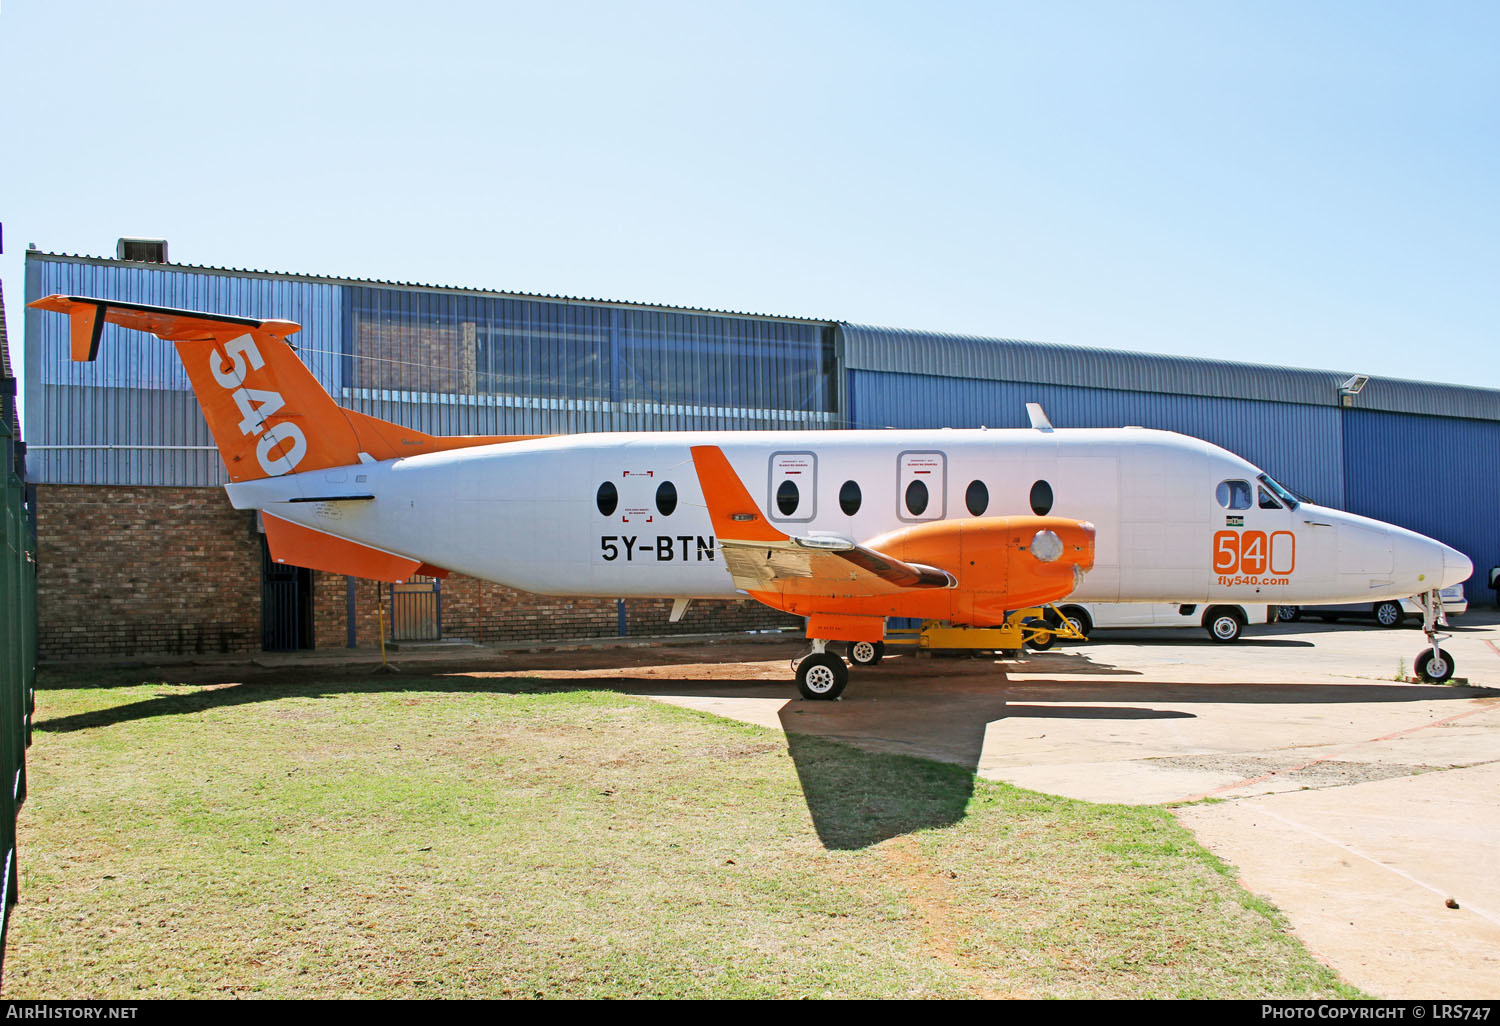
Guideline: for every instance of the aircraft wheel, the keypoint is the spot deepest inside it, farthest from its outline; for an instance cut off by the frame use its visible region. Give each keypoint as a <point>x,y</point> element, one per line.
<point>1224,627</point>
<point>1288,614</point>
<point>822,676</point>
<point>1434,667</point>
<point>866,653</point>
<point>1388,614</point>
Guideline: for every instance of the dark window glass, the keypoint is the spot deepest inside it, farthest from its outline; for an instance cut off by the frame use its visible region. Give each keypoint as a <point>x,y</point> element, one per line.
<point>849,498</point>
<point>607,499</point>
<point>666,498</point>
<point>1041,498</point>
<point>786,498</point>
<point>916,498</point>
<point>1266,502</point>
<point>977,498</point>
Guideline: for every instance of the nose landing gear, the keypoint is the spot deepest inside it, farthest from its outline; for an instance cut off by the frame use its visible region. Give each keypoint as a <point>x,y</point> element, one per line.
<point>1432,664</point>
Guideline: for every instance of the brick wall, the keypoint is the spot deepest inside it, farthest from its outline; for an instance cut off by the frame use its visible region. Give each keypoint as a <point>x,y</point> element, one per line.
<point>123,570</point>
<point>135,570</point>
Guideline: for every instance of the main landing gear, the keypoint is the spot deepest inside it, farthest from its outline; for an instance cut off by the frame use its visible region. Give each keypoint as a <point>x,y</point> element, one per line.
<point>1432,664</point>
<point>821,674</point>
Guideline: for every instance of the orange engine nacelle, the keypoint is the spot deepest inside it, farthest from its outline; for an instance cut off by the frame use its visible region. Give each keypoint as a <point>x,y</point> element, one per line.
<point>999,563</point>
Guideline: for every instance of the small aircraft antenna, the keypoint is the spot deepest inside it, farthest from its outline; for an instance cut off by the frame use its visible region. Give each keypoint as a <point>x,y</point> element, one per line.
<point>1038,417</point>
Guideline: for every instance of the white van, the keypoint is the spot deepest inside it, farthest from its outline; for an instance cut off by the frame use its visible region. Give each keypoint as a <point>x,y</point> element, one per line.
<point>1387,614</point>
<point>1223,622</point>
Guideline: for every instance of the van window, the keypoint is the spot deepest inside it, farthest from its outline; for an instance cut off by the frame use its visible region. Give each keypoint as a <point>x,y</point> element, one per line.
<point>1234,494</point>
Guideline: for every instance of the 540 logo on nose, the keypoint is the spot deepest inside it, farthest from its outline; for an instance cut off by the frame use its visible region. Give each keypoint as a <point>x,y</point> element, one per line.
<point>1253,553</point>
<point>255,405</point>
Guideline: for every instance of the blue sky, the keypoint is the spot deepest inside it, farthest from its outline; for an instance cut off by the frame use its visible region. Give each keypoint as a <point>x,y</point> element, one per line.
<point>1310,184</point>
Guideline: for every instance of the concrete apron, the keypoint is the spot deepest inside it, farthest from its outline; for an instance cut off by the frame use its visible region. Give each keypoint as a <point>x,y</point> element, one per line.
<point>1359,805</point>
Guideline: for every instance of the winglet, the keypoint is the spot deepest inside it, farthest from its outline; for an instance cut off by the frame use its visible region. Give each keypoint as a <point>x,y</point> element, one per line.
<point>735,515</point>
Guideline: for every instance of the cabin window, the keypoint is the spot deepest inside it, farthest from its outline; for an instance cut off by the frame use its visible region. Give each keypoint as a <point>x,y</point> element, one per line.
<point>1233,494</point>
<point>608,499</point>
<point>1041,498</point>
<point>916,498</point>
<point>849,498</point>
<point>1267,500</point>
<point>977,498</point>
<point>666,498</point>
<point>787,498</point>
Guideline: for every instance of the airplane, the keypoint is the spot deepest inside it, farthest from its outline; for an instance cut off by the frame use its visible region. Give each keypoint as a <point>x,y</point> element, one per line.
<point>845,528</point>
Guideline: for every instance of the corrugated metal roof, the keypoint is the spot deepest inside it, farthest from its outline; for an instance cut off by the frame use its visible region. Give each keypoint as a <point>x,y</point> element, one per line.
<point>867,347</point>
<point>422,286</point>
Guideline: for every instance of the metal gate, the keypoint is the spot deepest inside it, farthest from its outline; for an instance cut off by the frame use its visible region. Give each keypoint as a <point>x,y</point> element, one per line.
<point>417,609</point>
<point>286,605</point>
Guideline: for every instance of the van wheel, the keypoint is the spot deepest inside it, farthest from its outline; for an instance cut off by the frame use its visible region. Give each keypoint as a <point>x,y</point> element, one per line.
<point>1079,618</point>
<point>1288,614</point>
<point>1388,614</point>
<point>1223,626</point>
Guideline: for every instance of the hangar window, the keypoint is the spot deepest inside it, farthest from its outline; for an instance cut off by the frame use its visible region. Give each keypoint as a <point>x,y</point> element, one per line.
<point>977,498</point>
<point>1267,500</point>
<point>607,499</point>
<point>849,498</point>
<point>1041,498</point>
<point>1233,494</point>
<point>666,498</point>
<point>916,498</point>
<point>786,498</point>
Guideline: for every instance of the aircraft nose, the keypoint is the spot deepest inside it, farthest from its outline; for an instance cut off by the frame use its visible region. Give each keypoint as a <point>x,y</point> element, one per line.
<point>1457,567</point>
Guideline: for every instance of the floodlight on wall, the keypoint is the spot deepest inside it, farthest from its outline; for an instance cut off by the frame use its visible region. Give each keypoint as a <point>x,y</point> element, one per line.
<point>1351,388</point>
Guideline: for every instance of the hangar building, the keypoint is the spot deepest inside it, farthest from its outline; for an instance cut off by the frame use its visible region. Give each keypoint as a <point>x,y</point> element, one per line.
<point>141,552</point>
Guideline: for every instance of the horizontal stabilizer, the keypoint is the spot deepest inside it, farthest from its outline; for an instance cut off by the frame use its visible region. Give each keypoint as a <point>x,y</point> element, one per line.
<point>318,550</point>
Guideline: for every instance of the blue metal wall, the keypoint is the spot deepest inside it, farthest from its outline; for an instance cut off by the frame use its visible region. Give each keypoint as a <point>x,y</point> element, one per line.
<point>1298,445</point>
<point>1436,475</point>
<point>439,360</point>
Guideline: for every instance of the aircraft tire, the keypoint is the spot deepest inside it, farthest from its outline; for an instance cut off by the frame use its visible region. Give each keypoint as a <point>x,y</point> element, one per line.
<point>1434,668</point>
<point>866,653</point>
<point>822,677</point>
<point>1388,614</point>
<point>1223,626</point>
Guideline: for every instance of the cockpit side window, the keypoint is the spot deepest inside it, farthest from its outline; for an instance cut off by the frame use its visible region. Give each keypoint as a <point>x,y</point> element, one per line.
<point>1281,493</point>
<point>1267,500</point>
<point>1234,494</point>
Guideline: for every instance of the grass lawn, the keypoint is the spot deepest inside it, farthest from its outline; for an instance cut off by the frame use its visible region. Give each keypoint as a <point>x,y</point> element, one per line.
<point>329,835</point>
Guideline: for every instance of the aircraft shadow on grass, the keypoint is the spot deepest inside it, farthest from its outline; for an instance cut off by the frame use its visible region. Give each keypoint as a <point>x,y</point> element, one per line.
<point>895,757</point>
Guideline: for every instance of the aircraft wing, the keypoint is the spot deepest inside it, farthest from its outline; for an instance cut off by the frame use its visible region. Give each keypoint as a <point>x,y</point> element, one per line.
<point>762,558</point>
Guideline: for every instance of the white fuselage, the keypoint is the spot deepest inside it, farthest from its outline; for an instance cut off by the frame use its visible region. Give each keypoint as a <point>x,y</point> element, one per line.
<point>1171,524</point>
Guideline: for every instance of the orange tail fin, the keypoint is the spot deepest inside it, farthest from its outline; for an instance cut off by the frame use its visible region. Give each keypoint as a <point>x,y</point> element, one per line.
<point>266,411</point>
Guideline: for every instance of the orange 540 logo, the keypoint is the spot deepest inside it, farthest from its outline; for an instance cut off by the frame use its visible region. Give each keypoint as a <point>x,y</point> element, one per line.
<point>279,447</point>
<point>1252,553</point>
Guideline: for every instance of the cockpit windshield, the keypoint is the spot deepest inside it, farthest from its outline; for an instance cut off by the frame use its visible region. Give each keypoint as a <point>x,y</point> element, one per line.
<point>1280,492</point>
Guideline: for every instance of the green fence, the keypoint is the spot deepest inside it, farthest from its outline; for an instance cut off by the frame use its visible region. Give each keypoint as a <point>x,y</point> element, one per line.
<point>17,643</point>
